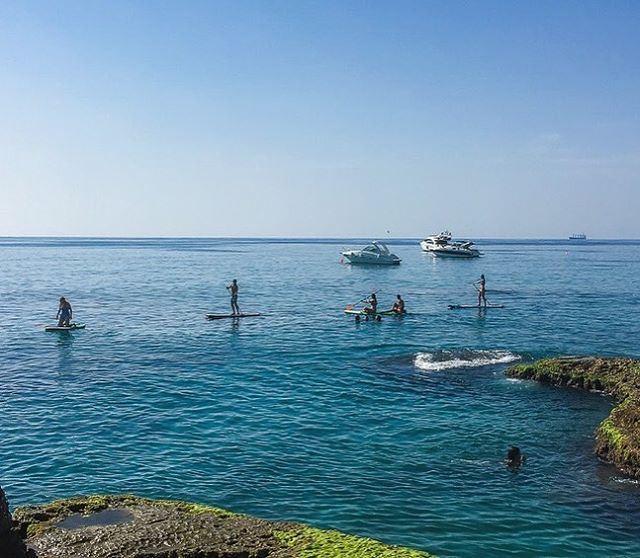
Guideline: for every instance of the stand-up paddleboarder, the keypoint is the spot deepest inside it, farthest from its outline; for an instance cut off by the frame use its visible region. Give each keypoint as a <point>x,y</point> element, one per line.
<point>233,289</point>
<point>480,284</point>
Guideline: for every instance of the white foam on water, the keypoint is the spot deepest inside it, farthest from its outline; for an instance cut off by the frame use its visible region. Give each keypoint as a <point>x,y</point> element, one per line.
<point>623,480</point>
<point>445,360</point>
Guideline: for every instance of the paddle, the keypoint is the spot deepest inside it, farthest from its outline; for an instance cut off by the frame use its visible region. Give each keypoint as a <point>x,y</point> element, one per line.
<point>350,306</point>
<point>487,303</point>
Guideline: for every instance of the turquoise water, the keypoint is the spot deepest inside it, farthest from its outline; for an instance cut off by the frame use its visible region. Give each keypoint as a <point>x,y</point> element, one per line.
<point>382,429</point>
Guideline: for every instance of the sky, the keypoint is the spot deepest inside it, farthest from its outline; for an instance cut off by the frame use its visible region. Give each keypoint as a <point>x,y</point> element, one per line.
<point>514,119</point>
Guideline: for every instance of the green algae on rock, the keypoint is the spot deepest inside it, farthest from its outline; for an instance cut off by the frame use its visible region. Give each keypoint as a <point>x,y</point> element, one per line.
<point>308,542</point>
<point>173,529</point>
<point>618,436</point>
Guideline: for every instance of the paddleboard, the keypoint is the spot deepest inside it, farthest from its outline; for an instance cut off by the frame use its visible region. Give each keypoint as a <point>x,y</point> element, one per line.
<point>471,306</point>
<point>65,328</point>
<point>223,316</point>
<point>363,313</point>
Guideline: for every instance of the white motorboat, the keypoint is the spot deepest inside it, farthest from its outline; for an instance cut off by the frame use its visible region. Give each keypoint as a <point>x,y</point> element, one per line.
<point>375,253</point>
<point>441,245</point>
<point>435,241</point>
<point>464,249</point>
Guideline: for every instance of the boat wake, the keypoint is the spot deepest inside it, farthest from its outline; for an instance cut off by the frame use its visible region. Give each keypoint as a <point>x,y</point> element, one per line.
<point>444,360</point>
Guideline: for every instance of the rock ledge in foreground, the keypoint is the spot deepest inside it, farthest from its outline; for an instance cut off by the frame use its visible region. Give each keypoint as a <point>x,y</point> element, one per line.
<point>618,436</point>
<point>11,544</point>
<point>133,527</point>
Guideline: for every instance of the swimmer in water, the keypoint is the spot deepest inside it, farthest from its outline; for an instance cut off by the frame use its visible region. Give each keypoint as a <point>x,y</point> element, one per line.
<point>515,457</point>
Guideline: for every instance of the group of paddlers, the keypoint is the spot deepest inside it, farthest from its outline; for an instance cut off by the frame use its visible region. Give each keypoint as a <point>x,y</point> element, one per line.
<point>65,312</point>
<point>399,307</point>
<point>372,305</point>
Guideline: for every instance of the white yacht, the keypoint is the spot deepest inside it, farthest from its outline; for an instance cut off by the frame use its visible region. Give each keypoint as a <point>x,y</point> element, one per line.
<point>441,245</point>
<point>436,240</point>
<point>463,249</point>
<point>375,253</point>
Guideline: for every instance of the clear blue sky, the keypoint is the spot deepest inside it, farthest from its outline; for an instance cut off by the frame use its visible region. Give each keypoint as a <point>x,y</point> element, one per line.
<point>493,119</point>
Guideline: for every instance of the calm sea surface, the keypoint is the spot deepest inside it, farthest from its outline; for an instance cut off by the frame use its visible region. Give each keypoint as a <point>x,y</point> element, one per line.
<point>394,430</point>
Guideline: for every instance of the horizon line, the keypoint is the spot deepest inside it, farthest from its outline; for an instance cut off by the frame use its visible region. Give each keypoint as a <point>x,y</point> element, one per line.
<point>382,239</point>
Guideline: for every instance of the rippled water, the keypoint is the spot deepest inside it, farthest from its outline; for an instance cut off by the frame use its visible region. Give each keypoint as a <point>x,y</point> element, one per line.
<point>394,430</point>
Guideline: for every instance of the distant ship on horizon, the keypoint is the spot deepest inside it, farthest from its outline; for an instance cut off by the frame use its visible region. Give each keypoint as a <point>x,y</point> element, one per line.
<point>578,236</point>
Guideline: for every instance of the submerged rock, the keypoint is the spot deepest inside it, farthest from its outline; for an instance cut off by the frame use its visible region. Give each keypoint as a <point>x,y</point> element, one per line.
<point>133,527</point>
<point>618,436</point>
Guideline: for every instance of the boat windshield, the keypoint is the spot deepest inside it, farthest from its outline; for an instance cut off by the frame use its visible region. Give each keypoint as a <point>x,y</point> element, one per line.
<point>379,247</point>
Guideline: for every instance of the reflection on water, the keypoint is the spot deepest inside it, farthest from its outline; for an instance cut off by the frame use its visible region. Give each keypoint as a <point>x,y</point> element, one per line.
<point>64,343</point>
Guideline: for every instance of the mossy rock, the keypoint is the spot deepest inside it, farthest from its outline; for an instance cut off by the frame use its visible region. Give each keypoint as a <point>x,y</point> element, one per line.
<point>308,542</point>
<point>174,529</point>
<point>37,519</point>
<point>618,436</point>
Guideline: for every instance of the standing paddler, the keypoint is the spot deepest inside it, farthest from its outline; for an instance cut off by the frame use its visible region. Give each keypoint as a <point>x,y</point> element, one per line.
<point>233,289</point>
<point>480,285</point>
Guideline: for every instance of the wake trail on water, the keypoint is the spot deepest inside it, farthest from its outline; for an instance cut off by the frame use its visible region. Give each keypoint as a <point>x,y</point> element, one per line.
<point>465,358</point>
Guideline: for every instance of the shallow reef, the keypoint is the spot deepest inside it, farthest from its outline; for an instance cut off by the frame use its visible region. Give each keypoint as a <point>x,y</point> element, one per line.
<point>133,527</point>
<point>618,436</point>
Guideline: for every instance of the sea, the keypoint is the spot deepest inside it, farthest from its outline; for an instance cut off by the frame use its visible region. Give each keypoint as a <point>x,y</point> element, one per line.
<point>394,430</point>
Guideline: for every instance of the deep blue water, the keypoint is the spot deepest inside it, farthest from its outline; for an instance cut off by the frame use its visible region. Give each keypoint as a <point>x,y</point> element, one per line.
<point>381,429</point>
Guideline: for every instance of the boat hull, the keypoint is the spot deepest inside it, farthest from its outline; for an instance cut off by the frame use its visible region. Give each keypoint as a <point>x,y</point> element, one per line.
<point>364,260</point>
<point>455,253</point>
<point>376,253</point>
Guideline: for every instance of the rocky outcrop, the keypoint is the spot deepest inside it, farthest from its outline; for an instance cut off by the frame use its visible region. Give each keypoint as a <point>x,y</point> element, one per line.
<point>618,436</point>
<point>133,527</point>
<point>11,545</point>
<point>5,517</point>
